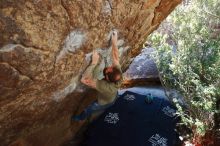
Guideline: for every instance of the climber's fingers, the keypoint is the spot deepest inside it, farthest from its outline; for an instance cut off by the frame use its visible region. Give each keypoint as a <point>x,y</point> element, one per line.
<point>114,38</point>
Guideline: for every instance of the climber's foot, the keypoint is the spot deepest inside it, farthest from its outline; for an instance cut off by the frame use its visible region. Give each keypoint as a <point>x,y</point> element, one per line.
<point>76,118</point>
<point>80,117</point>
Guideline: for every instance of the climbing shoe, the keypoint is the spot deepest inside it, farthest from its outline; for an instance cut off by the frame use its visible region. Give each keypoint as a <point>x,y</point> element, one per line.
<point>79,117</point>
<point>76,118</point>
<point>149,98</point>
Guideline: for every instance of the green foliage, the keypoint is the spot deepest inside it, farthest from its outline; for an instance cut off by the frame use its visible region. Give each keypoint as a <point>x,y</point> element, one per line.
<point>188,59</point>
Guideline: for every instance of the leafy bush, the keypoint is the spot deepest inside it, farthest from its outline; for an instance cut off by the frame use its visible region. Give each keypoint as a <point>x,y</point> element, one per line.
<point>188,59</point>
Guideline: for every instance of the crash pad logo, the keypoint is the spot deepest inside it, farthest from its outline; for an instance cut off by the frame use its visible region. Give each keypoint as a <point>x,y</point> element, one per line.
<point>129,97</point>
<point>157,140</point>
<point>169,111</point>
<point>111,118</point>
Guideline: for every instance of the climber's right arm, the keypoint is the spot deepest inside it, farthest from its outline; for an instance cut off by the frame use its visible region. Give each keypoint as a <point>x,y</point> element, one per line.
<point>115,52</point>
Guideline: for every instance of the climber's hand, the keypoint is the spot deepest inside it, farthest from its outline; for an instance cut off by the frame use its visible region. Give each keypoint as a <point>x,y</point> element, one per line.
<point>114,38</point>
<point>95,57</point>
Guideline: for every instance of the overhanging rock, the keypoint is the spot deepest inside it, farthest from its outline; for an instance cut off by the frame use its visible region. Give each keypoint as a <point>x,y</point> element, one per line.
<point>43,53</point>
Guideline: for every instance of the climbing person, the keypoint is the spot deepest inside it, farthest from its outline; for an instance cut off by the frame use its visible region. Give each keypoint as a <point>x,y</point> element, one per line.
<point>107,87</point>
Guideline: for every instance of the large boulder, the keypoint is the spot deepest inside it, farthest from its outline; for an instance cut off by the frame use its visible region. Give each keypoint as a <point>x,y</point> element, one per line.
<point>142,70</point>
<point>44,48</point>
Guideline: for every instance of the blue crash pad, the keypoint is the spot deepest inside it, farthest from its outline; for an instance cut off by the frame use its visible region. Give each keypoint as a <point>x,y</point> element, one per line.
<point>131,121</point>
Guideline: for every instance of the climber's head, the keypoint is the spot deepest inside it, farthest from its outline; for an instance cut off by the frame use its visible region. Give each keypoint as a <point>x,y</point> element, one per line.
<point>112,74</point>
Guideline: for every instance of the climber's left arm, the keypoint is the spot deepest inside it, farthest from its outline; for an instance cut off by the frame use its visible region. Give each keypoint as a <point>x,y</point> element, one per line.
<point>87,77</point>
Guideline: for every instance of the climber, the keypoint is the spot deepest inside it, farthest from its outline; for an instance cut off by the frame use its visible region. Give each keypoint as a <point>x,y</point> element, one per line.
<point>107,87</point>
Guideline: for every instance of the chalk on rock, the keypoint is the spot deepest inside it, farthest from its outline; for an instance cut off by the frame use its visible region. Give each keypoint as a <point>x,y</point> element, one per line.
<point>107,8</point>
<point>61,94</point>
<point>74,41</point>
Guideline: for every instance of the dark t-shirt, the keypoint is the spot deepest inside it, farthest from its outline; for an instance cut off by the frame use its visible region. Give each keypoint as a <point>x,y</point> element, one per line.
<point>107,90</point>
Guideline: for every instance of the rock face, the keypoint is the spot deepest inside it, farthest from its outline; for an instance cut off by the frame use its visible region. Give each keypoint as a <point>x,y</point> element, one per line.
<point>142,70</point>
<point>143,66</point>
<point>44,47</point>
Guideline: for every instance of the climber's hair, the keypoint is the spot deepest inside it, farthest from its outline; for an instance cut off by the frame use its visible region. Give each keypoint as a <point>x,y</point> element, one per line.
<point>112,75</point>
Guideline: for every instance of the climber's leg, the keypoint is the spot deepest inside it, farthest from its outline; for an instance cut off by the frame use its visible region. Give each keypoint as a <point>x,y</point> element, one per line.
<point>91,109</point>
<point>86,113</point>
